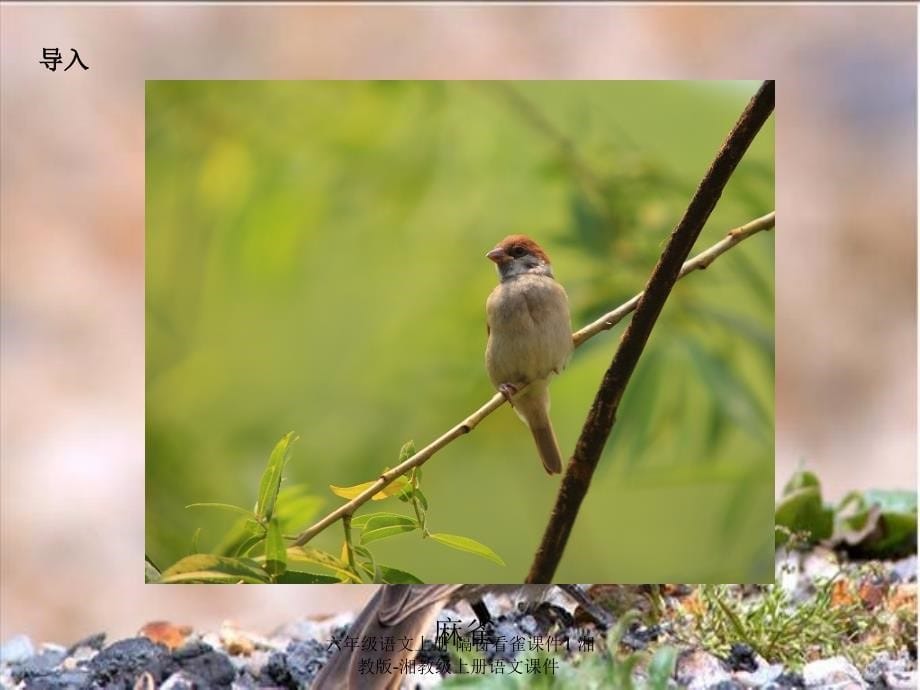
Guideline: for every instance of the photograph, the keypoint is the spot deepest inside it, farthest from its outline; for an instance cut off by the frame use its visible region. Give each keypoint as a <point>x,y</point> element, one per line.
<point>338,273</point>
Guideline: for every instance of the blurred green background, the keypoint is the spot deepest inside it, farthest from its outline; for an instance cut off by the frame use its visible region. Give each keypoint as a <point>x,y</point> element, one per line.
<point>315,263</point>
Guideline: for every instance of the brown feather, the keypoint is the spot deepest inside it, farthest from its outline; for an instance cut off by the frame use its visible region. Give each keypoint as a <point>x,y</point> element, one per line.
<point>524,241</point>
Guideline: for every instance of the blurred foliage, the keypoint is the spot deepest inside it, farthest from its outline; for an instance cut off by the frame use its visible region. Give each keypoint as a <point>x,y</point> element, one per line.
<point>866,524</point>
<point>315,262</point>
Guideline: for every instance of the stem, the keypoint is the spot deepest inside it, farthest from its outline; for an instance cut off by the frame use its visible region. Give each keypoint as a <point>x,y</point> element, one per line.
<point>667,272</point>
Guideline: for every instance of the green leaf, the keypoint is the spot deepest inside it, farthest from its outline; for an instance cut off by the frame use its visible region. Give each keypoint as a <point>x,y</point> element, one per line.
<point>389,520</point>
<point>394,576</point>
<point>240,538</point>
<point>248,544</point>
<point>877,524</point>
<point>802,511</point>
<point>271,478</point>
<point>206,568</point>
<point>391,489</point>
<point>296,577</point>
<point>226,506</point>
<point>307,555</point>
<point>897,538</point>
<point>803,479</point>
<point>275,551</point>
<point>661,667</point>
<point>407,451</point>
<point>455,541</point>
<point>383,525</point>
<point>423,502</point>
<point>360,521</point>
<point>365,563</point>
<point>367,536</point>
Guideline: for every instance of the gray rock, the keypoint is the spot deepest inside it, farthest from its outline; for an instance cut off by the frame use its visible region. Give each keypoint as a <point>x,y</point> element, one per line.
<point>884,663</point>
<point>764,675</point>
<point>835,673</point>
<point>905,570</point>
<point>67,680</point>
<point>16,649</point>
<point>296,666</point>
<point>528,624</point>
<point>37,665</point>
<point>901,680</point>
<point>121,663</point>
<point>179,681</point>
<point>93,642</point>
<point>246,682</point>
<point>698,670</point>
<point>204,665</point>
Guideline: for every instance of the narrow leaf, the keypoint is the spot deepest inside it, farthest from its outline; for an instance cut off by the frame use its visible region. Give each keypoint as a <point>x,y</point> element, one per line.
<point>350,492</point>
<point>394,576</point>
<point>389,520</point>
<point>271,478</point>
<point>202,567</point>
<point>455,541</point>
<point>295,577</point>
<point>365,562</point>
<point>360,521</point>
<point>226,506</point>
<point>299,556</point>
<point>383,532</point>
<point>275,551</point>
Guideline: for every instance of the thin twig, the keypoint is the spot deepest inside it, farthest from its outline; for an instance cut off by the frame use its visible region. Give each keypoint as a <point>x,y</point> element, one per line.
<point>604,323</point>
<point>599,423</point>
<point>697,263</point>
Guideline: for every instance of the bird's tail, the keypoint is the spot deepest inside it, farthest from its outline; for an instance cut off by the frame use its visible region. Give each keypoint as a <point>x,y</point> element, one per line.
<point>548,448</point>
<point>532,405</point>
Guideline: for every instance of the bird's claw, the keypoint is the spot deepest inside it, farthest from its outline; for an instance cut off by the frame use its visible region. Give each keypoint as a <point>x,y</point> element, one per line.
<point>508,390</point>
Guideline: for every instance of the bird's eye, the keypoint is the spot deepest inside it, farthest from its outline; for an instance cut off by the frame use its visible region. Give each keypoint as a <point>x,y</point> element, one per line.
<point>517,251</point>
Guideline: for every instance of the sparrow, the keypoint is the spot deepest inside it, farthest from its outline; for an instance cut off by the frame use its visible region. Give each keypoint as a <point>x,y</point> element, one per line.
<point>530,337</point>
<point>404,613</point>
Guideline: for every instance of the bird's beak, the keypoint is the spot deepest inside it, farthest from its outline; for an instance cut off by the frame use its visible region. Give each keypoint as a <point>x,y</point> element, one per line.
<point>497,255</point>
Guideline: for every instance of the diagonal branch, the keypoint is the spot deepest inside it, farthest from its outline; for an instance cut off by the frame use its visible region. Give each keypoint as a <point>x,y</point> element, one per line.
<point>603,411</point>
<point>606,322</point>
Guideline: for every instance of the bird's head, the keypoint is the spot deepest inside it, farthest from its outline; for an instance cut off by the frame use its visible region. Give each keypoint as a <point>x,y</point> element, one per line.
<point>518,254</point>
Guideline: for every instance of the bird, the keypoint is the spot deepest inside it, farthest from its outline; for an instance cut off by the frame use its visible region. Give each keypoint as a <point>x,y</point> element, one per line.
<point>404,613</point>
<point>529,337</point>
